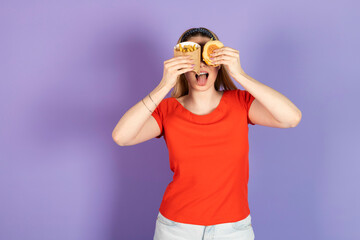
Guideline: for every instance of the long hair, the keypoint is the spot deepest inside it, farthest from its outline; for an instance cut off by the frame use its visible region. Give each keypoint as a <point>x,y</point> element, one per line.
<point>223,79</point>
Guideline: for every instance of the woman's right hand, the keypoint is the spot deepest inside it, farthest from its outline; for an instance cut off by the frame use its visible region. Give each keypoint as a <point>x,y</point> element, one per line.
<point>174,67</point>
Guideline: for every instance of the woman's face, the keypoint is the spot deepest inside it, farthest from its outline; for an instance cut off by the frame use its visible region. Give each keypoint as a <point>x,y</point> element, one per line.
<point>212,71</point>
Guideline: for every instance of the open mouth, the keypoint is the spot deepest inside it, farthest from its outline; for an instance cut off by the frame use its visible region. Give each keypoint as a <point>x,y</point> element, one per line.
<point>201,79</point>
<point>197,76</point>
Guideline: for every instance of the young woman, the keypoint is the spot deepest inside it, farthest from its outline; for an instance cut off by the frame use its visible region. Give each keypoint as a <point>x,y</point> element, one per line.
<point>206,132</point>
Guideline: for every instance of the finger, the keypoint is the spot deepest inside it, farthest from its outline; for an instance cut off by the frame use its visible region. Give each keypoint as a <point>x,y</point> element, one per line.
<point>181,60</point>
<point>177,58</point>
<point>219,62</point>
<point>216,56</point>
<point>229,49</point>
<point>222,57</point>
<point>184,65</point>
<point>228,53</point>
<point>223,60</point>
<point>184,70</point>
<point>226,50</point>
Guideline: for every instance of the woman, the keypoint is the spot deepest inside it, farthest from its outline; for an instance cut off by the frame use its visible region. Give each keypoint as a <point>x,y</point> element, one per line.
<point>206,132</point>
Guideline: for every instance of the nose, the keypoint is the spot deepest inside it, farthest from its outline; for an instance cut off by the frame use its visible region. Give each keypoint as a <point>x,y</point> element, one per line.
<point>201,52</point>
<point>202,63</point>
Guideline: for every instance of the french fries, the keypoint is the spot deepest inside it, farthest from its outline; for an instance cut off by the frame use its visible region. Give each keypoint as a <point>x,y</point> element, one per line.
<point>192,49</point>
<point>186,48</point>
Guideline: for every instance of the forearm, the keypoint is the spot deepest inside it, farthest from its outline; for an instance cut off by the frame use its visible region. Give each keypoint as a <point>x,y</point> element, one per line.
<point>132,121</point>
<point>276,103</point>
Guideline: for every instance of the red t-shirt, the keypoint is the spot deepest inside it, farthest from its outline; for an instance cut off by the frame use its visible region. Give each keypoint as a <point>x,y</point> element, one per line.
<point>209,157</point>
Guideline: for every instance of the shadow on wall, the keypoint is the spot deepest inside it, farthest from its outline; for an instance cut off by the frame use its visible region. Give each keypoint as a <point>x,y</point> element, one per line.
<point>142,170</point>
<point>115,70</point>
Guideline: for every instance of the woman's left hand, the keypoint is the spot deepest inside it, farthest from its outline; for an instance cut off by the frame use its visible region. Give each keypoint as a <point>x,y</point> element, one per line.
<point>230,58</point>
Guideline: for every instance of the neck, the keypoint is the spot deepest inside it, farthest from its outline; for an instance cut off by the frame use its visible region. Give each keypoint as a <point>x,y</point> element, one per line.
<point>203,98</point>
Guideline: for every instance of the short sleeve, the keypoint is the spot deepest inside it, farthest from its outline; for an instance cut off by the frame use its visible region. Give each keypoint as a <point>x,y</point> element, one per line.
<point>246,98</point>
<point>158,114</point>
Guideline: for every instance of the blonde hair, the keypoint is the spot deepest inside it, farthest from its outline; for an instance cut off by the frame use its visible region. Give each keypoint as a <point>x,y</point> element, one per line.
<point>223,79</point>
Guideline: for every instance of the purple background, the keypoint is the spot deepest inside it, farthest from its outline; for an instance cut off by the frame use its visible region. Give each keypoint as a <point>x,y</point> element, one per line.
<point>71,69</point>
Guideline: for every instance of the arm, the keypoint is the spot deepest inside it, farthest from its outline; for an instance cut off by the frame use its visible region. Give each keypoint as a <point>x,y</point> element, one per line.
<point>270,108</point>
<point>135,118</point>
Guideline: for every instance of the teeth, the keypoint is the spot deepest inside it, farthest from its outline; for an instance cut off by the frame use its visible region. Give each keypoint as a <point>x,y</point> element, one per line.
<point>202,74</point>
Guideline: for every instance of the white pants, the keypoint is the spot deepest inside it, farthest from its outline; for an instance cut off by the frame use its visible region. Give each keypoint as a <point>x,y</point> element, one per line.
<point>167,229</point>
